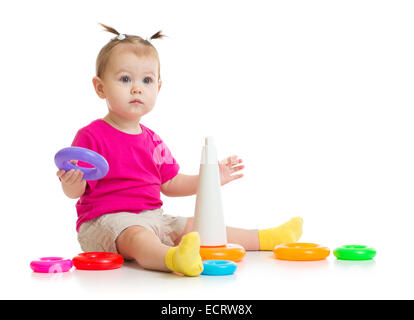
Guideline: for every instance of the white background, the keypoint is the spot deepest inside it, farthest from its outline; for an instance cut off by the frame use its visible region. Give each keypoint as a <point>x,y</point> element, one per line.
<point>316,97</point>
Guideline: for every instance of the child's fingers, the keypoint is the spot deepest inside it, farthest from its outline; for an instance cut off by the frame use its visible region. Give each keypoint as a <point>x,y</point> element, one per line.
<point>60,173</point>
<point>75,177</point>
<point>233,160</point>
<point>66,178</point>
<point>227,161</point>
<point>230,160</point>
<point>79,176</point>
<point>238,168</point>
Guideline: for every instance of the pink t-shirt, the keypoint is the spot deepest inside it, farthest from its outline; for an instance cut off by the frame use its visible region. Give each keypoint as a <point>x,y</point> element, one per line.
<point>138,165</point>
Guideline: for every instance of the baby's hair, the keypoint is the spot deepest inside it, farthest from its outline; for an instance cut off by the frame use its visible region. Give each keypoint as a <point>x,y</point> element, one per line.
<point>145,47</point>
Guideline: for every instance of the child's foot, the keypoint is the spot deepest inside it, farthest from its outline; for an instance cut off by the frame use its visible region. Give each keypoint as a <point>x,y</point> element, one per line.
<point>285,233</point>
<point>185,258</point>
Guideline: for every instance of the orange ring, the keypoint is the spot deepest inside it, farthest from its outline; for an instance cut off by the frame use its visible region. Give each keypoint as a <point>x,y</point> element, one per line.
<point>230,251</point>
<point>301,251</point>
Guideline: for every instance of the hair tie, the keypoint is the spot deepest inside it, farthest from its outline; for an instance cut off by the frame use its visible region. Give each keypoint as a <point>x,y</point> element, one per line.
<point>121,36</point>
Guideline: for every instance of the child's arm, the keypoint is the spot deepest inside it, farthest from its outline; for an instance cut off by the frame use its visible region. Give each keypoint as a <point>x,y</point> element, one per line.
<point>180,186</point>
<point>184,185</point>
<point>72,184</point>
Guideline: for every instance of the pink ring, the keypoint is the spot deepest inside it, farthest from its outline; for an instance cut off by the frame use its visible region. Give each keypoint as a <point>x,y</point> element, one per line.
<point>51,265</point>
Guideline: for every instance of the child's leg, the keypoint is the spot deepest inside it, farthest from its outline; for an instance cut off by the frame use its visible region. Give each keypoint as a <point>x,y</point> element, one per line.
<point>146,248</point>
<point>266,239</point>
<point>249,239</point>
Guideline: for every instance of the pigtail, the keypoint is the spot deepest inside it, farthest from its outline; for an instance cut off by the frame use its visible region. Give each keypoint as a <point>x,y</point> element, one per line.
<point>109,29</point>
<point>158,35</point>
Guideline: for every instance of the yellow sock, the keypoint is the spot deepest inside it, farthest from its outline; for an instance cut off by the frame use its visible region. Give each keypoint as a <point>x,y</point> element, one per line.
<point>185,258</point>
<point>285,233</point>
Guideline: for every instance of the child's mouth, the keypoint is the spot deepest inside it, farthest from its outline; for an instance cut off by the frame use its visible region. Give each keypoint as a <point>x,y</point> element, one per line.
<point>136,101</point>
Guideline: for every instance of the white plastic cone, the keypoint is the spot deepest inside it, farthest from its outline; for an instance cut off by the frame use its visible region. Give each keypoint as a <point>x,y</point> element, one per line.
<point>208,216</point>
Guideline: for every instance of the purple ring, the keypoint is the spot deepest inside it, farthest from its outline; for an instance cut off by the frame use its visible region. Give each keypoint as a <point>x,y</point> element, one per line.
<point>51,265</point>
<point>100,164</point>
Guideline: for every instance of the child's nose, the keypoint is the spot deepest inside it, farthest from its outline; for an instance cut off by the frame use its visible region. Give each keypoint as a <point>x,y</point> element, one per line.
<point>136,89</point>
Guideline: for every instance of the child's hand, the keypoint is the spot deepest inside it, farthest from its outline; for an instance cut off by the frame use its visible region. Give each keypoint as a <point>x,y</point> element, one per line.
<point>229,166</point>
<point>71,177</point>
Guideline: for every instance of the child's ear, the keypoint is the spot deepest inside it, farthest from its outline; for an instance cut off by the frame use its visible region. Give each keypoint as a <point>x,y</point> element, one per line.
<point>159,85</point>
<point>98,85</point>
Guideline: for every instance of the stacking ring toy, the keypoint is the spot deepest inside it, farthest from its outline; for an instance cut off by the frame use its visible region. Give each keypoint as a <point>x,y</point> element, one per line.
<point>229,251</point>
<point>98,261</point>
<point>300,252</point>
<point>354,252</point>
<point>77,153</point>
<point>219,267</point>
<point>51,265</point>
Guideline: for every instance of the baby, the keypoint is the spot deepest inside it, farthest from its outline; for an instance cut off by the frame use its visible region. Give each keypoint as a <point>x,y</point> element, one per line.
<point>122,212</point>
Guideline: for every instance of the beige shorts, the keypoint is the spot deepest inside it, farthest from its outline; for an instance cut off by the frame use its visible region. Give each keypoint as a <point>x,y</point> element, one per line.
<point>100,234</point>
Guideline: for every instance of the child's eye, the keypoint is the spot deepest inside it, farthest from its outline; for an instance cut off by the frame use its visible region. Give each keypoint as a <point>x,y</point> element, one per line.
<point>147,80</point>
<point>125,79</point>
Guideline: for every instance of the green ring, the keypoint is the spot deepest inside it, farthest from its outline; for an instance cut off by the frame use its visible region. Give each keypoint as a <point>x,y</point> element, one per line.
<point>354,252</point>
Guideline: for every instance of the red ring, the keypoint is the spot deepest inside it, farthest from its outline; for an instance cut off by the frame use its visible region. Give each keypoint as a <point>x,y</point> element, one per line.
<point>98,261</point>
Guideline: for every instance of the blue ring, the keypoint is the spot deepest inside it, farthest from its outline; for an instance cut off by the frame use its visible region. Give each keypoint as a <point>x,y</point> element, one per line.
<point>218,267</point>
<point>77,153</point>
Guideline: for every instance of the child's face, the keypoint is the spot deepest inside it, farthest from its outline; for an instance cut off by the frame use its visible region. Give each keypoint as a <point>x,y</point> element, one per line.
<point>129,84</point>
